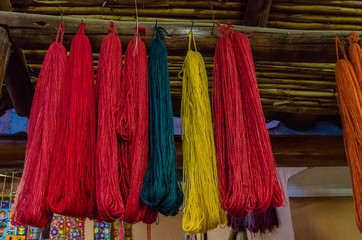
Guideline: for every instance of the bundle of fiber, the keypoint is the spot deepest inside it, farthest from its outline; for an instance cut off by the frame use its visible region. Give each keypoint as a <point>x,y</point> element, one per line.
<point>229,129</point>
<point>203,210</point>
<point>255,222</point>
<point>265,184</point>
<point>350,107</point>
<point>133,129</point>
<point>249,181</point>
<point>160,188</point>
<point>31,204</point>
<point>72,174</point>
<point>109,198</point>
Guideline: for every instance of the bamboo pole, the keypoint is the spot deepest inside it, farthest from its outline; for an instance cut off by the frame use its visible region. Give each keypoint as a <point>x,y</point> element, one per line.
<point>169,12</point>
<point>318,9</point>
<point>314,18</point>
<point>152,19</point>
<point>313,26</point>
<point>343,3</point>
<point>130,4</point>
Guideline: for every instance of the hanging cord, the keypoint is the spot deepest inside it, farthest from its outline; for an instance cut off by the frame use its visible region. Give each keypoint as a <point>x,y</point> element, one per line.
<point>11,198</point>
<point>340,44</point>
<point>136,9</point>
<point>61,32</point>
<point>2,193</point>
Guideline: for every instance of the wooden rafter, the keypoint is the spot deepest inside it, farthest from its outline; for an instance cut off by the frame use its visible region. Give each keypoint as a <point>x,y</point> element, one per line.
<point>35,31</point>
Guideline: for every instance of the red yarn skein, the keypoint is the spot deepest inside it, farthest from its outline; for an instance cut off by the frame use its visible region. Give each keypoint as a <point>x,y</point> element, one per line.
<point>72,175</point>
<point>133,128</point>
<point>31,206</point>
<point>109,199</point>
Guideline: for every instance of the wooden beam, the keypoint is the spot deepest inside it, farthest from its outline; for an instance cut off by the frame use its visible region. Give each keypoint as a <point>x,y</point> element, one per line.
<point>4,55</point>
<point>289,151</point>
<point>17,81</point>
<point>34,31</point>
<point>257,12</point>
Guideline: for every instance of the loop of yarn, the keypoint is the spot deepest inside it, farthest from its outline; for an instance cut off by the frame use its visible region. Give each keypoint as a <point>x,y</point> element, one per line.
<point>31,206</point>
<point>109,198</point>
<point>248,179</point>
<point>160,188</point>
<point>133,129</point>
<point>72,174</point>
<point>202,211</point>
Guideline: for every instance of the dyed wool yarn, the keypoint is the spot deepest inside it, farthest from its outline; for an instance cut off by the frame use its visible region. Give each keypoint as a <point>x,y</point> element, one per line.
<point>72,175</point>
<point>350,107</point>
<point>133,129</point>
<point>31,205</point>
<point>160,188</point>
<point>249,181</point>
<point>229,129</point>
<point>202,211</point>
<point>265,184</point>
<point>109,198</point>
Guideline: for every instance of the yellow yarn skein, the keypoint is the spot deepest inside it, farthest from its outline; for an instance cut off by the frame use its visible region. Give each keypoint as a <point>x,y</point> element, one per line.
<point>203,210</point>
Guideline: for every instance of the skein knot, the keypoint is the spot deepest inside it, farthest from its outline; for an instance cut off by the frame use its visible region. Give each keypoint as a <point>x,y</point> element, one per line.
<point>112,28</point>
<point>353,37</point>
<point>224,29</point>
<point>161,33</point>
<point>81,28</point>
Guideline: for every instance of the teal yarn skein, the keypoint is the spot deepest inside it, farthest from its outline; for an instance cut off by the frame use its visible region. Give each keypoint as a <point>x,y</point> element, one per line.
<point>161,188</point>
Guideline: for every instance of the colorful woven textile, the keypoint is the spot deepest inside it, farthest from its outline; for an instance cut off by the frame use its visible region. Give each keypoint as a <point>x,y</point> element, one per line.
<point>110,231</point>
<point>66,228</point>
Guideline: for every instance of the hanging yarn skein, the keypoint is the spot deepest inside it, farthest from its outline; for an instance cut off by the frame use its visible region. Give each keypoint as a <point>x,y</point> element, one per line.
<point>133,128</point>
<point>31,205</point>
<point>160,188</point>
<point>109,198</point>
<point>229,129</point>
<point>72,174</point>
<point>202,211</point>
<point>350,106</point>
<point>268,191</point>
<point>249,182</point>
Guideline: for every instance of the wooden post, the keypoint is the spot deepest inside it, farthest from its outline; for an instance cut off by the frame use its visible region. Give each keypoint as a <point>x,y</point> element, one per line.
<point>257,12</point>
<point>4,55</point>
<point>17,81</point>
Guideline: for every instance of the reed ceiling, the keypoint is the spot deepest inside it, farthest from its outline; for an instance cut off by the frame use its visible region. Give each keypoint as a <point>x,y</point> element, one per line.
<point>294,67</point>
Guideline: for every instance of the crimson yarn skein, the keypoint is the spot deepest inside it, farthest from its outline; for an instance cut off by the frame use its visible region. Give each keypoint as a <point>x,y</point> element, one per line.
<point>268,191</point>
<point>31,206</point>
<point>229,129</point>
<point>133,129</point>
<point>110,205</point>
<point>72,176</point>
<point>255,185</point>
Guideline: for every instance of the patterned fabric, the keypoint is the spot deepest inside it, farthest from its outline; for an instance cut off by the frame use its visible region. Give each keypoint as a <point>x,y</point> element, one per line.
<point>110,231</point>
<point>9,231</point>
<point>66,228</point>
